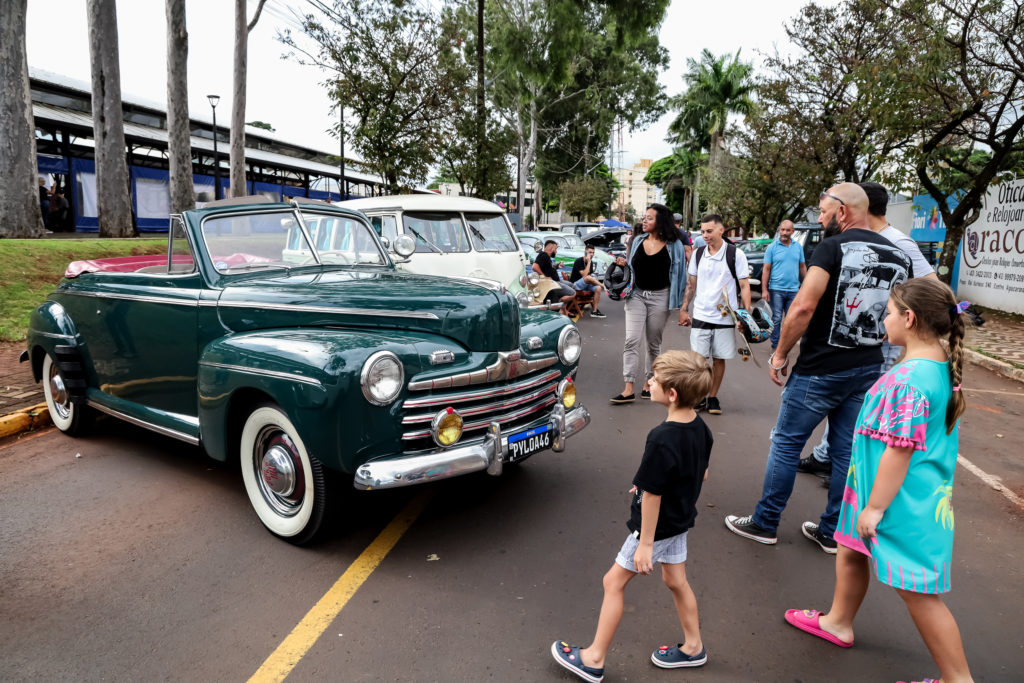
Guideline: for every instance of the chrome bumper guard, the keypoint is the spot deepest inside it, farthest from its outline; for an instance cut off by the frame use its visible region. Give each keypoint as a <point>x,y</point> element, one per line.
<point>489,454</point>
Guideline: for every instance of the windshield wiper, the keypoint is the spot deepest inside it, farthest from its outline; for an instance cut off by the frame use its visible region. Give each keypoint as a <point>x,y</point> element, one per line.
<point>480,236</point>
<point>425,240</point>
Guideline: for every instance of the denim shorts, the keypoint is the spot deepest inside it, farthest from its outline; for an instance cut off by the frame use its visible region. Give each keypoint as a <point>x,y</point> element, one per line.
<point>671,550</point>
<point>582,285</point>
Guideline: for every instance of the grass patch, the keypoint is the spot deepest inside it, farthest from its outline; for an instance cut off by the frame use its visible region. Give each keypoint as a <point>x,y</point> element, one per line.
<point>31,269</point>
<point>983,352</point>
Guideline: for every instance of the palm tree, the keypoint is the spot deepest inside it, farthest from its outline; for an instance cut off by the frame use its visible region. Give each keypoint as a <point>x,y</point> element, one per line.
<point>716,87</point>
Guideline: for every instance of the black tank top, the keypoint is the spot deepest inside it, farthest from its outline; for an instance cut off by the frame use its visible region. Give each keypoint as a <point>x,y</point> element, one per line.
<point>651,272</point>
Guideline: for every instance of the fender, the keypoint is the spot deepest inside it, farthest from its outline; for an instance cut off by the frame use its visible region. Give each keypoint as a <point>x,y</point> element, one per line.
<point>313,375</point>
<point>49,327</point>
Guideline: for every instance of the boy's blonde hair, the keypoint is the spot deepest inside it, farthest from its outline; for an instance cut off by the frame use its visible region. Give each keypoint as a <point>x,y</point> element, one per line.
<point>687,372</point>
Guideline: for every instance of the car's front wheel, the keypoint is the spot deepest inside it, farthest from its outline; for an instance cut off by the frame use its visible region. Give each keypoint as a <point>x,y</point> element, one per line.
<point>285,484</point>
<point>67,415</point>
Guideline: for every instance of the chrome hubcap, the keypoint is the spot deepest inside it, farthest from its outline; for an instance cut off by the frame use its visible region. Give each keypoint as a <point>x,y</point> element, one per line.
<point>278,471</point>
<point>59,394</point>
<point>278,468</point>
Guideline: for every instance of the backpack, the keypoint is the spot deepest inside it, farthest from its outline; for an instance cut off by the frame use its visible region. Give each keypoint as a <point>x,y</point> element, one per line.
<point>730,260</point>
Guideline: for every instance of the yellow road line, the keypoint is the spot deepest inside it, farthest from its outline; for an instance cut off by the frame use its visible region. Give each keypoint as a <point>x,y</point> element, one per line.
<point>294,647</point>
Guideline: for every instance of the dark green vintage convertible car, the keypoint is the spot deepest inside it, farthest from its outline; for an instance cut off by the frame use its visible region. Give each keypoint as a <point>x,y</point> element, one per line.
<point>282,335</point>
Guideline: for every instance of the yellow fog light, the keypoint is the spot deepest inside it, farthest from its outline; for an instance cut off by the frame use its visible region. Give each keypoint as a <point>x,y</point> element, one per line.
<point>446,427</point>
<point>567,392</point>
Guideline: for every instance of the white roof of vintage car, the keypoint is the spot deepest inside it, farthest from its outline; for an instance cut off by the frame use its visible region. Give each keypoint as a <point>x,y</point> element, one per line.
<point>422,202</point>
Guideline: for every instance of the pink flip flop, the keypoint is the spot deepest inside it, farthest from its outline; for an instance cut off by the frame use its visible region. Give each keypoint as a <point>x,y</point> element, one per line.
<point>807,620</point>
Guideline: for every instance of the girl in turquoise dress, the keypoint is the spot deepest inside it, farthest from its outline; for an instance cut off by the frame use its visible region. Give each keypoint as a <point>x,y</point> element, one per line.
<point>896,519</point>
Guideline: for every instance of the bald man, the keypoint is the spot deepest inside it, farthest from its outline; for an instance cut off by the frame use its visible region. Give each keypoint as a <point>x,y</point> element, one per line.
<point>837,317</point>
<point>784,268</point>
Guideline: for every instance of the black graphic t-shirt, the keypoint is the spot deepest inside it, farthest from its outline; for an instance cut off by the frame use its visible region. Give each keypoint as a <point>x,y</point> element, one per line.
<point>847,328</point>
<point>672,467</point>
<point>543,262</point>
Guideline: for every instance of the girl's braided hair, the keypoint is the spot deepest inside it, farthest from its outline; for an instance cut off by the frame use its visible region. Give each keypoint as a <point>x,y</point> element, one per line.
<point>934,306</point>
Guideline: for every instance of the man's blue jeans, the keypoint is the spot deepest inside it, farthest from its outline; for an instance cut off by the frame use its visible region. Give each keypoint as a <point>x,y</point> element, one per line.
<point>780,302</point>
<point>806,401</point>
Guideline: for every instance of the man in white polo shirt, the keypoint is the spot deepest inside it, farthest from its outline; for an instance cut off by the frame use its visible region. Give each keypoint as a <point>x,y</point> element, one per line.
<point>715,266</point>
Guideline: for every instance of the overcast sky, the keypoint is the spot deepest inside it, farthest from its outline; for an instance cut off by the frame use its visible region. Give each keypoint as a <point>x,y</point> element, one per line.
<point>290,97</point>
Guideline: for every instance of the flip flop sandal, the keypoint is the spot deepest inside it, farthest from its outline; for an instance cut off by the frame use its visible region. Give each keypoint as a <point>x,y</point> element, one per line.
<point>569,657</point>
<point>807,620</point>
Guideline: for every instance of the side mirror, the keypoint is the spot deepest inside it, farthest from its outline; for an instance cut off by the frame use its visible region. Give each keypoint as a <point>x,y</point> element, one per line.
<point>386,242</point>
<point>537,248</point>
<point>404,246</point>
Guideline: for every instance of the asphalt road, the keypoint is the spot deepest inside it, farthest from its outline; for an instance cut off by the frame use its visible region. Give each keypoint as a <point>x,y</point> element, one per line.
<point>141,559</point>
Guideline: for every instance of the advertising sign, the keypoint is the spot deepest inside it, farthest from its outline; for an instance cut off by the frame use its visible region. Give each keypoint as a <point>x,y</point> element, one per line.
<point>992,253</point>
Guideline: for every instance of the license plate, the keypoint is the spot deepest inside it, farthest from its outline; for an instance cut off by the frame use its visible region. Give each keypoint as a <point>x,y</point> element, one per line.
<point>528,442</point>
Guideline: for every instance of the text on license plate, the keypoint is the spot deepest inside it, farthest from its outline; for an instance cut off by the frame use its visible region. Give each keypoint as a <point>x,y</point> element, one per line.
<point>529,442</point>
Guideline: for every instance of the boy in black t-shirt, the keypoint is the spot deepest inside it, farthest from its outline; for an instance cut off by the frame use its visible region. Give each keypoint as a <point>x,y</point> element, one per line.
<point>665,491</point>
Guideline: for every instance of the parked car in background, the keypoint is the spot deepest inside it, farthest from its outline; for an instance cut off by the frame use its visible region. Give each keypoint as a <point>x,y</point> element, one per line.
<point>809,236</point>
<point>580,229</point>
<point>754,251</point>
<point>570,248</point>
<point>609,240</point>
<point>253,342</point>
<point>454,236</point>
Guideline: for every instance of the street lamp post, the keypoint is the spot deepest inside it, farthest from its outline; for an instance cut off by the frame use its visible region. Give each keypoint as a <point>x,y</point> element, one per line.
<point>214,100</point>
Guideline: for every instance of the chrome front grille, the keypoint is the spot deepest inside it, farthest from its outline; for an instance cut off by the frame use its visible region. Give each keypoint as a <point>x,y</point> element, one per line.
<point>509,403</point>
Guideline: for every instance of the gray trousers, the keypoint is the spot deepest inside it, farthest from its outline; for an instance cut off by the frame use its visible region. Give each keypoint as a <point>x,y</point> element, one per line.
<point>646,316</point>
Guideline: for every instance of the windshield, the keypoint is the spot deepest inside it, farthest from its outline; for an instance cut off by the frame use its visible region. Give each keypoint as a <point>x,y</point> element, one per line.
<point>572,241</point>
<point>273,239</point>
<point>436,232</point>
<point>490,232</point>
<point>754,247</point>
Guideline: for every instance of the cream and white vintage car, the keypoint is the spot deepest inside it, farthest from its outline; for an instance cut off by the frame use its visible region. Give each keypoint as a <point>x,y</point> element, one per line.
<point>455,237</point>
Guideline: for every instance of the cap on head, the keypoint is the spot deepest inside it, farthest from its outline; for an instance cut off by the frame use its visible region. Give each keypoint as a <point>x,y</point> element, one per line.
<point>677,217</point>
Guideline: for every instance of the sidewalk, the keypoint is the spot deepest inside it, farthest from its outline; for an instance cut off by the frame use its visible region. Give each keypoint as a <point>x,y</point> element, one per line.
<point>997,345</point>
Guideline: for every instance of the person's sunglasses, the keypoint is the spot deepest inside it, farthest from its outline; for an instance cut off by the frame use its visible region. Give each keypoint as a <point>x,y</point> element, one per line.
<point>831,196</point>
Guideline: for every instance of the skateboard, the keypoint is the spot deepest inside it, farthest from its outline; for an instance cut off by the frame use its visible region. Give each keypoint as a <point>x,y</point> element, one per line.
<point>744,347</point>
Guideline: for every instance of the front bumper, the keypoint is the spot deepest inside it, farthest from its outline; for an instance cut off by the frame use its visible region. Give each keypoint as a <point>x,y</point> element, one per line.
<point>489,453</point>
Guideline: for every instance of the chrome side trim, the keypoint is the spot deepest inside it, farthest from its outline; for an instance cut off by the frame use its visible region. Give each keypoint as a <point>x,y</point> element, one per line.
<point>259,371</point>
<point>377,312</point>
<point>51,335</point>
<point>166,431</point>
<point>486,408</point>
<point>462,397</point>
<point>136,297</point>
<point>509,365</point>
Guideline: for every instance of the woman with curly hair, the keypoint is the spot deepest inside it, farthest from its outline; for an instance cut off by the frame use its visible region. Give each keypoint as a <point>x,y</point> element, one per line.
<point>658,260</point>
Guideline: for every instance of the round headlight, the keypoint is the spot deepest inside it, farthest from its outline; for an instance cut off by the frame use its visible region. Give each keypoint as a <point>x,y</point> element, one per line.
<point>567,392</point>
<point>523,280</point>
<point>522,298</point>
<point>446,427</point>
<point>533,279</point>
<point>382,378</point>
<point>569,345</point>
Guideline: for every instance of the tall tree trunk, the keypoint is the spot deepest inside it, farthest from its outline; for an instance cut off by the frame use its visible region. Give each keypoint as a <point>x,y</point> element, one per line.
<point>113,197</point>
<point>529,153</point>
<point>480,182</point>
<point>179,134</point>
<point>237,156</point>
<point>20,214</point>
<point>696,199</point>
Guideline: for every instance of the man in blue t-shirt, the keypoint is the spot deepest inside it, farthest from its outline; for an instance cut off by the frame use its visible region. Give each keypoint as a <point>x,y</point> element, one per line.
<point>784,269</point>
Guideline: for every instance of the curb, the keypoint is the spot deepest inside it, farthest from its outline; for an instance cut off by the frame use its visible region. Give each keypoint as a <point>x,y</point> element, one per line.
<point>24,419</point>
<point>997,366</point>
